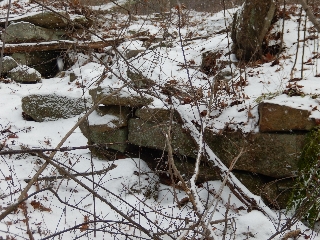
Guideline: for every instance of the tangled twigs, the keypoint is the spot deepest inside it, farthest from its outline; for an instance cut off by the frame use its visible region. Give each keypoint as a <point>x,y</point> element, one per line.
<point>52,178</point>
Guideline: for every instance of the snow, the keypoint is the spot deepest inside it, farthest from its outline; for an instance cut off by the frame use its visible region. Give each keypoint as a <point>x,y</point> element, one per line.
<point>125,185</point>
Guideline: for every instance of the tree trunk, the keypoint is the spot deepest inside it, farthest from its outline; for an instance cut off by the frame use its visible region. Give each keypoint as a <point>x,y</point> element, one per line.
<point>250,25</point>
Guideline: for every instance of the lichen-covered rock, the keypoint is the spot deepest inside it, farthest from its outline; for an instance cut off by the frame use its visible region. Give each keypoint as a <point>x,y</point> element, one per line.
<point>280,118</point>
<point>8,64</point>
<point>139,80</point>
<point>157,115</point>
<point>107,125</point>
<point>152,134</point>
<point>51,107</point>
<point>270,154</point>
<point>24,32</point>
<point>250,25</point>
<point>123,98</point>
<point>24,74</point>
<point>48,20</point>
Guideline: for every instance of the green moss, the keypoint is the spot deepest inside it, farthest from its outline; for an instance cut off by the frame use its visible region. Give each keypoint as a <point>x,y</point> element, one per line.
<point>305,198</point>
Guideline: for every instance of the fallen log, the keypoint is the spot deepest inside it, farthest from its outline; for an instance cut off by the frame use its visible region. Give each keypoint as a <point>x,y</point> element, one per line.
<point>59,45</point>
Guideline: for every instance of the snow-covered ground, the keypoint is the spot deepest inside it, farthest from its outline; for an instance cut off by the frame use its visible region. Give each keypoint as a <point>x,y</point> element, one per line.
<point>122,187</point>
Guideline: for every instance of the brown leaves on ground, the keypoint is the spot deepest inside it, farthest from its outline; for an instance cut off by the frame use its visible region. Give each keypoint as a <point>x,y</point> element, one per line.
<point>37,205</point>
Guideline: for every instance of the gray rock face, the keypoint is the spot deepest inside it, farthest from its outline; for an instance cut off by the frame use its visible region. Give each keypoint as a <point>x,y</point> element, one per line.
<point>139,80</point>
<point>119,99</point>
<point>8,64</point>
<point>24,32</point>
<point>150,134</point>
<point>48,20</point>
<point>108,125</point>
<point>157,115</point>
<point>270,154</point>
<point>279,118</point>
<point>24,74</point>
<point>51,107</point>
<point>250,25</point>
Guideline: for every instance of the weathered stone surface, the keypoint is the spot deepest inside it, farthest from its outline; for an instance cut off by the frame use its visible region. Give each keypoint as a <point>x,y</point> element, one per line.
<point>157,115</point>
<point>139,80</point>
<point>250,25</point>
<point>48,20</point>
<point>270,154</point>
<point>24,74</point>
<point>8,64</point>
<point>279,118</point>
<point>45,62</point>
<point>275,193</point>
<point>130,53</point>
<point>107,125</point>
<point>119,99</point>
<point>121,112</point>
<point>149,134</point>
<point>24,32</point>
<point>51,107</point>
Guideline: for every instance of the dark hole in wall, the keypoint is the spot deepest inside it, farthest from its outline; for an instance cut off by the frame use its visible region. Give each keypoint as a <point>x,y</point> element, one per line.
<point>45,62</point>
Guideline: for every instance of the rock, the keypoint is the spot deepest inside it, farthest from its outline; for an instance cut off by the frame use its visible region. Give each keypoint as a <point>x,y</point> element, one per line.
<point>8,64</point>
<point>150,134</point>
<point>130,53</point>
<point>139,80</point>
<point>51,107</point>
<point>24,32</point>
<point>48,20</point>
<point>24,74</point>
<point>275,193</point>
<point>270,154</point>
<point>157,115</point>
<point>107,125</point>
<point>278,192</point>
<point>250,25</point>
<point>120,99</point>
<point>279,118</point>
<point>44,62</point>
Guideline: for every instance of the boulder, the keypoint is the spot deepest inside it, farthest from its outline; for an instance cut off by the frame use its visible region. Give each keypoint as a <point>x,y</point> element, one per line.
<point>51,107</point>
<point>279,118</point>
<point>139,80</point>
<point>250,25</point>
<point>107,125</point>
<point>121,99</point>
<point>152,134</point>
<point>24,74</point>
<point>24,32</point>
<point>48,20</point>
<point>8,64</point>
<point>269,154</point>
<point>157,115</point>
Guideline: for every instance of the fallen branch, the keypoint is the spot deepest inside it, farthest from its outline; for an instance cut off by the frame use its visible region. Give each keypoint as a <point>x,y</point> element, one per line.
<point>62,149</point>
<point>59,45</point>
<point>52,178</point>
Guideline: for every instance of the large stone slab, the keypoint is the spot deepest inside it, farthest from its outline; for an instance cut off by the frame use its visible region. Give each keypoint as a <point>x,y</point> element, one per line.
<point>24,74</point>
<point>269,154</point>
<point>107,125</point>
<point>51,107</point>
<point>279,118</point>
<point>250,25</point>
<point>24,32</point>
<point>157,115</point>
<point>152,134</point>
<point>8,64</point>
<point>120,99</point>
